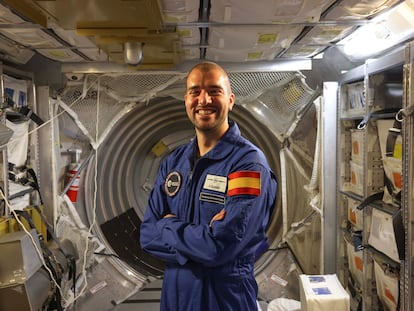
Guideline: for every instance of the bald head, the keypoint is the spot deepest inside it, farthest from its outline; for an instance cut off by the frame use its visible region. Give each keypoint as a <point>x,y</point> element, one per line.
<point>210,66</point>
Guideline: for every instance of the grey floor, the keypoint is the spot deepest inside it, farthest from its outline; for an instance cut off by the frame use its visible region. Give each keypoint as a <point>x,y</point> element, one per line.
<point>148,299</point>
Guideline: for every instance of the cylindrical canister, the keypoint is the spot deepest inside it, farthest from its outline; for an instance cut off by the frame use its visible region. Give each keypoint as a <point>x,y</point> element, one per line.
<point>72,192</point>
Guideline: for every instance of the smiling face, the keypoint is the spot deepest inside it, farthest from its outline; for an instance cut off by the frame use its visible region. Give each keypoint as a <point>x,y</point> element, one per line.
<point>208,99</point>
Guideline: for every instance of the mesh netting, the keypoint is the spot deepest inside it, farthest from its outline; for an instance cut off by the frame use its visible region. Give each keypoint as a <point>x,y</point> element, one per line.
<point>276,100</point>
<point>249,85</point>
<point>137,87</point>
<point>93,109</point>
<point>281,106</point>
<point>100,100</point>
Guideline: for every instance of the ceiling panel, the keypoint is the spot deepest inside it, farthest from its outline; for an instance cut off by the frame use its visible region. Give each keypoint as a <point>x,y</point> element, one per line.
<point>357,9</point>
<point>268,11</point>
<point>172,32</point>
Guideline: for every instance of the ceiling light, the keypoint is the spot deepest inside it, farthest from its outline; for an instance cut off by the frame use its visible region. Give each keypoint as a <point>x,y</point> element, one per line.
<point>133,53</point>
<point>385,31</point>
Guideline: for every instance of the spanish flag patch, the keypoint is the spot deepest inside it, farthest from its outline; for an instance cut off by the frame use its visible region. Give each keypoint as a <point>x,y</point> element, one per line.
<point>244,182</point>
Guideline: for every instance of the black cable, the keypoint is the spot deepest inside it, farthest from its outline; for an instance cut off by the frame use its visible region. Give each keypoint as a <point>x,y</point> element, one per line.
<point>47,256</point>
<point>34,183</point>
<point>108,255</point>
<point>277,248</point>
<point>2,204</point>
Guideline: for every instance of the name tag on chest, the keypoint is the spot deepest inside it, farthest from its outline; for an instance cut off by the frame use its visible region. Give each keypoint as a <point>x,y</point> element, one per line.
<point>215,183</point>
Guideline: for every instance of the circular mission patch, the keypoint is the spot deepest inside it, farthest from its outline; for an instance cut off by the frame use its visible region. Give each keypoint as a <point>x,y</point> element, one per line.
<point>172,183</point>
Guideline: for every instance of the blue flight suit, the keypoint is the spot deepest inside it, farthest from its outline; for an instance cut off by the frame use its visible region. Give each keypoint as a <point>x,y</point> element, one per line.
<point>209,264</point>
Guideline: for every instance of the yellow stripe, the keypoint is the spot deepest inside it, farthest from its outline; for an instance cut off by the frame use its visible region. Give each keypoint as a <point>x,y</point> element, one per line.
<point>244,182</point>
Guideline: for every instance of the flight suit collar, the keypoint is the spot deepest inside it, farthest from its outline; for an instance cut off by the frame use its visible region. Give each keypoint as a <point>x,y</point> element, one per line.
<point>224,147</point>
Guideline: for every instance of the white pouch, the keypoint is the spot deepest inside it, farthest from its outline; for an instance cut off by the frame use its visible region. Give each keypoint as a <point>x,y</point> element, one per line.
<point>18,144</point>
<point>387,287</point>
<point>382,236</point>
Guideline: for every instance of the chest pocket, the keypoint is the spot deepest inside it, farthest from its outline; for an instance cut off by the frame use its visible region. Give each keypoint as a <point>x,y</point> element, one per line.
<point>210,204</point>
<point>176,204</point>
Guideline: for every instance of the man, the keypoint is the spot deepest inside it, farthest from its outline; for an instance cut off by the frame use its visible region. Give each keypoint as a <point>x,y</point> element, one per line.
<point>210,205</point>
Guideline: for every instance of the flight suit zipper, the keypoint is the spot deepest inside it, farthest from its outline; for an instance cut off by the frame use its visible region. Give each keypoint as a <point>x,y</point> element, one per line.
<point>193,214</point>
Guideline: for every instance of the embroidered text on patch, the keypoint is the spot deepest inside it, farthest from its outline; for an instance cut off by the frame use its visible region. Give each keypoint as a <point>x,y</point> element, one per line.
<point>244,182</point>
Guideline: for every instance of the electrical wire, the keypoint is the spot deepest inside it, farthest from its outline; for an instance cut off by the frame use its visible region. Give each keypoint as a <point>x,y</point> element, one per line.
<point>107,255</point>
<point>38,251</point>
<point>85,285</point>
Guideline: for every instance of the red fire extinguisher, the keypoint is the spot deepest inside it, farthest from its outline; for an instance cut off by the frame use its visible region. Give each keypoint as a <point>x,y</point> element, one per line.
<point>74,166</point>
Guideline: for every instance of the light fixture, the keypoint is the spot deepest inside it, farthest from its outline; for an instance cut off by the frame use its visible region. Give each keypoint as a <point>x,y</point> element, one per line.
<point>383,32</point>
<point>133,53</point>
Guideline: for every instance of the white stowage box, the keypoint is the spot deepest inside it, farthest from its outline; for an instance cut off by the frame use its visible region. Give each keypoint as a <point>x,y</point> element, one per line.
<point>325,34</point>
<point>239,37</point>
<point>323,293</point>
<point>254,54</point>
<point>354,10</point>
<point>267,11</point>
<point>180,11</point>
<point>189,35</point>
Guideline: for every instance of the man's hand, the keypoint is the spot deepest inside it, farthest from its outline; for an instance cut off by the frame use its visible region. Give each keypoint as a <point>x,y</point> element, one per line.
<point>219,216</point>
<point>169,216</point>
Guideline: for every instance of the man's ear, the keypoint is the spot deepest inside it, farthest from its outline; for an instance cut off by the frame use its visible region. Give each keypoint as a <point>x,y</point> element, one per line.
<point>231,101</point>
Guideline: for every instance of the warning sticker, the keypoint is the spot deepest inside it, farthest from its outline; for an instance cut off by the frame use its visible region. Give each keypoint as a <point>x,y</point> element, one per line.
<point>96,288</point>
<point>279,280</point>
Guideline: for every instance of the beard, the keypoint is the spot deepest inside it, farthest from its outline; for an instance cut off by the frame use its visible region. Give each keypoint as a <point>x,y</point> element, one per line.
<point>208,124</point>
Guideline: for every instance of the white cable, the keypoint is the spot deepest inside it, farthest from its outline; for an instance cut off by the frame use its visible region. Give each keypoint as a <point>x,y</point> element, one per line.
<point>284,191</point>
<point>83,289</point>
<point>314,180</point>
<point>38,251</point>
<point>48,121</point>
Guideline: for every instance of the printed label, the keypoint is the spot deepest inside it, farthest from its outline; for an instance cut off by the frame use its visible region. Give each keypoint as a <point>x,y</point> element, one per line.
<point>215,183</point>
<point>96,288</point>
<point>279,280</point>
